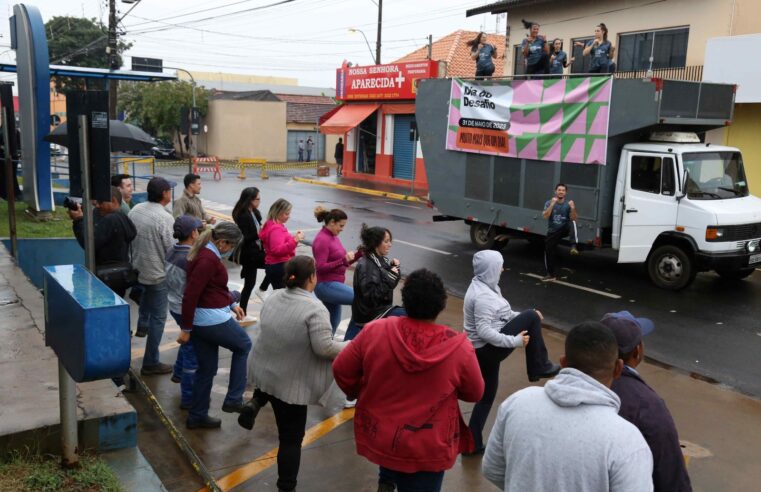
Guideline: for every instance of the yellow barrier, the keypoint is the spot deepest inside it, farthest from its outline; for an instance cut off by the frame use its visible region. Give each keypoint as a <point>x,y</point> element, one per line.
<point>253,162</point>
<point>139,160</point>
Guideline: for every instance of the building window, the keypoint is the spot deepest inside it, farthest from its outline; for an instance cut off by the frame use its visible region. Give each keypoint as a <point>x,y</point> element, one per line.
<point>519,65</point>
<point>581,63</point>
<point>667,47</point>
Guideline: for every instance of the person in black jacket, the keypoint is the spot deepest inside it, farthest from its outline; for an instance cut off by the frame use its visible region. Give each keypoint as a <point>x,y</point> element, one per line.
<point>113,234</point>
<point>375,278</point>
<point>249,220</point>
<point>642,406</point>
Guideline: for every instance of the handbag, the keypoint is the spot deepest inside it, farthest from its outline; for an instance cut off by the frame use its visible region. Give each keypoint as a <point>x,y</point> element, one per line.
<point>117,274</point>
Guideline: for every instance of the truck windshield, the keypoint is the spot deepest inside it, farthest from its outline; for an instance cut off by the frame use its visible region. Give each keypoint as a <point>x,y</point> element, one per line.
<point>715,175</point>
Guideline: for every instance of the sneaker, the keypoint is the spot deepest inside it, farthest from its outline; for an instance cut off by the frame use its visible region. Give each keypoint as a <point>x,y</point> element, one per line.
<point>549,373</point>
<point>176,379</point>
<point>232,407</point>
<point>350,403</point>
<point>248,414</point>
<point>549,278</point>
<point>262,294</point>
<point>574,251</point>
<point>141,333</point>
<point>204,423</point>
<point>158,369</point>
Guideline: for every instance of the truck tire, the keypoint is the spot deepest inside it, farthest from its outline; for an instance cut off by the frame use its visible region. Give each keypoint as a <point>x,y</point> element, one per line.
<point>670,267</point>
<point>482,235</point>
<point>735,274</point>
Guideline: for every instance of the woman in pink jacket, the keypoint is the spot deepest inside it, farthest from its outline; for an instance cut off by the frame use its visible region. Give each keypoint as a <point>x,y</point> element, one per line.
<point>332,261</point>
<point>279,244</point>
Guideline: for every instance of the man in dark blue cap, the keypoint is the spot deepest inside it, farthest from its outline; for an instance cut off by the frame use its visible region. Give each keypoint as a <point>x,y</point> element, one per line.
<point>642,406</point>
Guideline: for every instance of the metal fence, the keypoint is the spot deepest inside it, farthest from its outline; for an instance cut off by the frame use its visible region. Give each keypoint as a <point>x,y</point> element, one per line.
<point>693,73</point>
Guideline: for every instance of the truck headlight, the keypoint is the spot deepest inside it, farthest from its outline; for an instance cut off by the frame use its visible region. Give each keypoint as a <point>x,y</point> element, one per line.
<point>714,233</point>
<point>751,246</point>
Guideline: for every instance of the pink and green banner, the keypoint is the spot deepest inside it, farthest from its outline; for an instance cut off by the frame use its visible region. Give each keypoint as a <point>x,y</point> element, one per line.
<point>552,119</point>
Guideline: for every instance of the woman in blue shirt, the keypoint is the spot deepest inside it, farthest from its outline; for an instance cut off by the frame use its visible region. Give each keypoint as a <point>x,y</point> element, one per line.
<point>535,49</point>
<point>558,59</point>
<point>601,51</point>
<point>483,53</point>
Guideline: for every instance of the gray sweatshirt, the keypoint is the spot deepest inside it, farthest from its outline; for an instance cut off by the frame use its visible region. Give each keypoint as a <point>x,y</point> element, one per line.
<point>566,437</point>
<point>155,228</point>
<point>485,311</point>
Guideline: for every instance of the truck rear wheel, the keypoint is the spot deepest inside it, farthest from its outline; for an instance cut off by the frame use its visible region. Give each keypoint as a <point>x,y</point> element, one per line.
<point>670,267</point>
<point>482,235</point>
<point>736,274</point>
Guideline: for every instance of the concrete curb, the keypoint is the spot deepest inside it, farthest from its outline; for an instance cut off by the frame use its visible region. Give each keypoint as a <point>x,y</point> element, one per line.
<point>365,191</point>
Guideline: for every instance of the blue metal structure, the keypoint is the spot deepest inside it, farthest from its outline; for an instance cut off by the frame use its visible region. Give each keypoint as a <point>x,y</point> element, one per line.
<point>86,324</point>
<point>404,148</point>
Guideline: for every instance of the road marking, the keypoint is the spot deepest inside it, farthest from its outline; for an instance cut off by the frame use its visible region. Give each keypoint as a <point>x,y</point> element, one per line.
<point>574,286</point>
<point>247,472</point>
<point>422,247</point>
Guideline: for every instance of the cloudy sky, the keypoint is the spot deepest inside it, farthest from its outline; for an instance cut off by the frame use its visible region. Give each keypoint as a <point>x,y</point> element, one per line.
<point>304,39</point>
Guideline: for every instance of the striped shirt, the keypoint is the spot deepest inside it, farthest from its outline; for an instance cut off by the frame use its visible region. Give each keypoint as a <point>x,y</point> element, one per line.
<point>155,227</point>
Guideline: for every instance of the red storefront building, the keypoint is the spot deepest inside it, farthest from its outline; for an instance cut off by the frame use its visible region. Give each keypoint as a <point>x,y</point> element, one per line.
<point>378,111</point>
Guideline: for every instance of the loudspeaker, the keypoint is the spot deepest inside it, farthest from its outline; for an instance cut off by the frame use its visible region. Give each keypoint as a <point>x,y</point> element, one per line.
<point>93,104</point>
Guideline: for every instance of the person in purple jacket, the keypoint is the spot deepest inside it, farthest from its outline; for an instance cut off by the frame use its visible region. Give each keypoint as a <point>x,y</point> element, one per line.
<point>642,406</point>
<point>332,260</point>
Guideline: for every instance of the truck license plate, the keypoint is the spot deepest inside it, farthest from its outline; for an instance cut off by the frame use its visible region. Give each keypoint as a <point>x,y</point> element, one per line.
<point>754,259</point>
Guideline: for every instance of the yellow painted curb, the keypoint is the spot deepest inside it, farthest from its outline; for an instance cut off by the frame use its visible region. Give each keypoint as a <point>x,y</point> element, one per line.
<point>365,191</point>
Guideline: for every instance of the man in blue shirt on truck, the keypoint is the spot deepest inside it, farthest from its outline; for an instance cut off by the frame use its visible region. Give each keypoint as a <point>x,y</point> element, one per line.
<point>561,222</point>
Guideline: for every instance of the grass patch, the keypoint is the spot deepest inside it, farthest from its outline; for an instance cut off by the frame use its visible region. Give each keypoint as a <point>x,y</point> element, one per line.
<point>27,473</point>
<point>59,224</point>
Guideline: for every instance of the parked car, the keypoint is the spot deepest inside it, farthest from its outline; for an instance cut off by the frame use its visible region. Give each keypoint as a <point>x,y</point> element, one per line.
<point>164,149</point>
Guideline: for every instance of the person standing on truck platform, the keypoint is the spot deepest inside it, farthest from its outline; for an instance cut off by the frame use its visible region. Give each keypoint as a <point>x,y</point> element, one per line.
<point>601,50</point>
<point>558,59</point>
<point>561,222</point>
<point>535,49</point>
<point>482,52</point>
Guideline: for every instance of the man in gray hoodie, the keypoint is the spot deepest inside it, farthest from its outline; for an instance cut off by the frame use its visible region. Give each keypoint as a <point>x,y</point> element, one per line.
<point>568,436</point>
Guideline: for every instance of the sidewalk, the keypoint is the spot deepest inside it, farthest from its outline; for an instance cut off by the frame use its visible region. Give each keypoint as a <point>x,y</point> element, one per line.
<point>29,408</point>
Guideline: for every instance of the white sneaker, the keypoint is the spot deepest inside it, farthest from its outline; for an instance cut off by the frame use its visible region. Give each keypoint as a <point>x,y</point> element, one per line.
<point>350,403</point>
<point>262,294</point>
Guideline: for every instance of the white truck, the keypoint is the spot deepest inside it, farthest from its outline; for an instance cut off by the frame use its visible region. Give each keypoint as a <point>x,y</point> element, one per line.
<point>664,198</point>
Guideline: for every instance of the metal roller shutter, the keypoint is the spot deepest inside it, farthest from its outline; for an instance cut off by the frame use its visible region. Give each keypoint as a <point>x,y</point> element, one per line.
<point>404,148</point>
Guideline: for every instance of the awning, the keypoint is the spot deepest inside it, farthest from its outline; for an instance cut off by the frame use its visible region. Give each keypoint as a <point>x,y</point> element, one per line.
<point>346,118</point>
<point>405,108</point>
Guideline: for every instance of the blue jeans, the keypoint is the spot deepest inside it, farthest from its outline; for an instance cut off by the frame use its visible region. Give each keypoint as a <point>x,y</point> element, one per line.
<point>185,368</point>
<point>206,341</point>
<point>151,319</point>
<point>334,295</point>
<point>353,329</point>
<point>421,481</point>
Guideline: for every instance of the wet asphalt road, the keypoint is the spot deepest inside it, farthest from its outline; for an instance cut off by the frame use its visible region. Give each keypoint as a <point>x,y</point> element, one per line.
<point>712,328</point>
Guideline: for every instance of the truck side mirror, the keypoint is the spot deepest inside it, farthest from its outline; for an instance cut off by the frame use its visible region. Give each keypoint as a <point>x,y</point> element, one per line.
<point>684,186</point>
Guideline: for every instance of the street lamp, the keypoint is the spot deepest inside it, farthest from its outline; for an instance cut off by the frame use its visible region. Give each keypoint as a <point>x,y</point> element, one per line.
<point>366,42</point>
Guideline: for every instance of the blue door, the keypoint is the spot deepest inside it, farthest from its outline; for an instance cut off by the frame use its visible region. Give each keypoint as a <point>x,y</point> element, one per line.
<point>404,148</point>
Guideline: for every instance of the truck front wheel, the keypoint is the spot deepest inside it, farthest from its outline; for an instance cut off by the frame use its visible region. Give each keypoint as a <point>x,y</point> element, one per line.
<point>670,267</point>
<point>482,235</point>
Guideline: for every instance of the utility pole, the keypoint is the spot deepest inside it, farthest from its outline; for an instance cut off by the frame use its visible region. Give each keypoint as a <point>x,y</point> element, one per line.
<point>430,46</point>
<point>380,24</point>
<point>113,58</point>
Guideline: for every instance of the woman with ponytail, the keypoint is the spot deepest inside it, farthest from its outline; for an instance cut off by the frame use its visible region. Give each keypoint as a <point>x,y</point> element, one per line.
<point>332,260</point>
<point>247,216</point>
<point>601,50</point>
<point>279,244</point>
<point>209,317</point>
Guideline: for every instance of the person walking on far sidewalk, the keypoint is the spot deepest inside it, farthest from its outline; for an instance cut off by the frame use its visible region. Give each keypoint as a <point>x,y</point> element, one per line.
<point>209,313</point>
<point>309,148</point>
<point>409,374</point>
<point>301,150</point>
<point>291,363</point>
<point>248,218</point>
<point>186,230</point>
<point>279,244</point>
<point>339,156</point>
<point>568,436</point>
<point>189,203</point>
<point>561,222</point>
<point>332,260</point>
<point>495,330</point>
<point>155,228</point>
<point>642,406</point>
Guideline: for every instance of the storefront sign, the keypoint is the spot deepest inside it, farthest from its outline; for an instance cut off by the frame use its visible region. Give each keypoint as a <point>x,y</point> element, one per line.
<point>382,82</point>
<point>553,120</point>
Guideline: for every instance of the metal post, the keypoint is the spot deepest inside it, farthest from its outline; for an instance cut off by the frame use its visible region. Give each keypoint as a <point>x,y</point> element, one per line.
<point>87,208</point>
<point>113,58</point>
<point>67,395</point>
<point>10,169</point>
<point>508,50</point>
<point>430,46</point>
<point>378,42</point>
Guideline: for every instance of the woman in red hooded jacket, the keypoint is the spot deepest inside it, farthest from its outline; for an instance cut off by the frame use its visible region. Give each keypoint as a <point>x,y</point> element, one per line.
<point>279,244</point>
<point>408,373</point>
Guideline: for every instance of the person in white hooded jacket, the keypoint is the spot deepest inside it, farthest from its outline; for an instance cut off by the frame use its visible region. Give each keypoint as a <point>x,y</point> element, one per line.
<point>568,436</point>
<point>495,330</point>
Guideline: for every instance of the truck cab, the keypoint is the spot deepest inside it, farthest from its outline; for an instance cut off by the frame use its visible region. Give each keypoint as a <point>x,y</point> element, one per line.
<point>682,207</point>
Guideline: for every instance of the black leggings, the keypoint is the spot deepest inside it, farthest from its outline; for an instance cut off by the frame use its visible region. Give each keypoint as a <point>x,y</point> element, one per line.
<point>276,275</point>
<point>489,358</point>
<point>248,287</point>
<point>551,245</point>
<point>291,426</point>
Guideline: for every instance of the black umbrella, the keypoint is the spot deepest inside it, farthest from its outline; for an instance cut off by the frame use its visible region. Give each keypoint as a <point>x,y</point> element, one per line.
<point>124,137</point>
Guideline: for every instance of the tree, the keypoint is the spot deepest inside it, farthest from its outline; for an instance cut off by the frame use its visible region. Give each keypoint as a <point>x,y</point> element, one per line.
<point>79,42</point>
<point>156,106</point>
